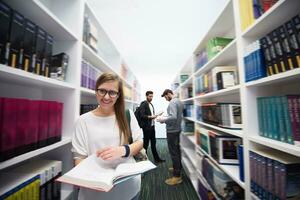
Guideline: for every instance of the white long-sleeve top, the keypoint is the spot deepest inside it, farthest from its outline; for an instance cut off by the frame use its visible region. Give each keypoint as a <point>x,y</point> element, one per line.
<point>92,133</point>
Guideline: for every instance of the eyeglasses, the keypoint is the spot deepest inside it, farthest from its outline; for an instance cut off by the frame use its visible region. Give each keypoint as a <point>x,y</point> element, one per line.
<point>111,93</point>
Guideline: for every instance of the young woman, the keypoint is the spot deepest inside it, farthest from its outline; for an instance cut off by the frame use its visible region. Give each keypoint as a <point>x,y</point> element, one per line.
<point>105,132</point>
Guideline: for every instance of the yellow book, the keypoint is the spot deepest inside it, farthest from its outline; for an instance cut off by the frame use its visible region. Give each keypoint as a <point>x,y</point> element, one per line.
<point>243,14</point>
<point>251,18</point>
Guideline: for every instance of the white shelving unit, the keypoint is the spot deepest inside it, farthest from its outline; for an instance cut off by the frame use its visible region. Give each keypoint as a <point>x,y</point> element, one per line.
<point>66,27</point>
<point>227,24</point>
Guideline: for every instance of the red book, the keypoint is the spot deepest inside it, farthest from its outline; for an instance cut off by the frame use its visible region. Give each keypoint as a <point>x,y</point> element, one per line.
<point>59,118</point>
<point>43,122</point>
<point>8,128</point>
<point>22,128</point>
<point>52,123</point>
<point>33,125</point>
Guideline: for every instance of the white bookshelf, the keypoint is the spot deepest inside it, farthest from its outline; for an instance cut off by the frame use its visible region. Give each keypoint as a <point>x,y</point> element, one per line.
<point>227,24</point>
<point>66,27</point>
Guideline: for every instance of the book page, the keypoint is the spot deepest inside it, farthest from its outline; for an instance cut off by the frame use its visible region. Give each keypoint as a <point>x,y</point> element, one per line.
<point>127,169</point>
<point>89,173</point>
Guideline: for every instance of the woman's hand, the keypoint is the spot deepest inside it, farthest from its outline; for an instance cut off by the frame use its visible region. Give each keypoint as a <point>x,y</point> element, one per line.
<point>111,153</point>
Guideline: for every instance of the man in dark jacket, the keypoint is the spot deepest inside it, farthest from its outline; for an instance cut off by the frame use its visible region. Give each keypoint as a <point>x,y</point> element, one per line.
<point>147,114</point>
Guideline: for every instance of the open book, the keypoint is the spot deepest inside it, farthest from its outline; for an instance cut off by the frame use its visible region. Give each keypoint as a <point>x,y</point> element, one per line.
<point>91,174</point>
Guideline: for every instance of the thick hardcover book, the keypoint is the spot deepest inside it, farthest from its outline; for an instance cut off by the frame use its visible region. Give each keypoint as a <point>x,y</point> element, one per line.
<point>287,119</point>
<point>46,63</point>
<point>223,77</point>
<point>296,23</point>
<point>33,125</point>
<point>16,40</point>
<point>40,42</point>
<point>8,128</point>
<point>281,59</point>
<point>286,47</point>
<point>294,43</point>
<point>52,123</point>
<point>94,174</point>
<point>241,162</point>
<point>267,56</point>
<point>5,18</point>
<point>43,122</point>
<point>29,42</point>
<point>294,111</point>
<point>275,63</point>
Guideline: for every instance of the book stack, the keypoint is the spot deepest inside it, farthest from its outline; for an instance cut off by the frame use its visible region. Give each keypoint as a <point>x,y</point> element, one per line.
<point>225,115</point>
<point>90,33</point>
<point>222,147</point>
<point>215,45</point>
<point>34,180</point>
<point>200,59</point>
<point>276,52</point>
<point>84,108</point>
<point>89,75</point>
<point>220,182</point>
<point>183,77</point>
<point>188,126</point>
<point>188,110</point>
<point>186,92</point>
<point>250,10</point>
<point>27,125</point>
<point>254,62</point>
<point>220,77</point>
<point>279,118</point>
<point>274,175</point>
<point>25,45</point>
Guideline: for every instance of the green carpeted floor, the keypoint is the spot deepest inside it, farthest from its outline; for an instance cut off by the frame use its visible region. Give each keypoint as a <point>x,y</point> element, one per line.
<point>153,182</point>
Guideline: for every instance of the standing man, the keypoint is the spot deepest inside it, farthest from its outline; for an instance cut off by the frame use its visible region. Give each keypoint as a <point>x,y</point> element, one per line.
<point>147,114</point>
<point>173,126</point>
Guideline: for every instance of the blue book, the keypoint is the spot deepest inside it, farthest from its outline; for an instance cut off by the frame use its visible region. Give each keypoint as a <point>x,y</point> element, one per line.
<point>241,162</point>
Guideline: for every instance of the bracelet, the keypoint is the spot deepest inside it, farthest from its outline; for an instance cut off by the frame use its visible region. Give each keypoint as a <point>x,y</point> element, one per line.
<point>127,150</point>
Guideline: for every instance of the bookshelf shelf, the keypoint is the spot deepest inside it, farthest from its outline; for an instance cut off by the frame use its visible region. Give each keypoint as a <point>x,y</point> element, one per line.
<point>188,99</point>
<point>274,17</point>
<point>254,197</point>
<point>238,133</point>
<point>17,76</point>
<point>226,57</point>
<point>281,146</point>
<point>191,156</point>
<point>87,92</point>
<point>200,176</point>
<point>190,119</point>
<point>187,82</point>
<point>285,77</point>
<point>66,194</point>
<point>34,153</point>
<point>224,92</point>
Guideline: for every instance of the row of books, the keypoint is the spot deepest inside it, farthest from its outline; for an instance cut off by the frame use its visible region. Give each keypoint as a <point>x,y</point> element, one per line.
<point>213,47</point>
<point>90,33</point>
<point>26,46</point>
<point>84,108</point>
<point>222,185</point>
<point>188,110</point>
<point>276,52</point>
<point>188,126</point>
<point>27,125</point>
<point>250,10</point>
<point>32,180</point>
<point>279,118</point>
<point>220,146</point>
<point>220,77</point>
<point>274,175</point>
<point>183,77</point>
<point>204,190</point>
<point>186,92</point>
<point>89,75</point>
<point>225,115</point>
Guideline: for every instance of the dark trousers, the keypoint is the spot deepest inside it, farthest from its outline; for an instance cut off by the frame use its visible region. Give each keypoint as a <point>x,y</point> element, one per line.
<point>175,152</point>
<point>149,135</point>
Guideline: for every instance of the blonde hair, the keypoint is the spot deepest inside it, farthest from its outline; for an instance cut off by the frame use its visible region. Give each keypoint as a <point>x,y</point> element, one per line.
<point>119,105</point>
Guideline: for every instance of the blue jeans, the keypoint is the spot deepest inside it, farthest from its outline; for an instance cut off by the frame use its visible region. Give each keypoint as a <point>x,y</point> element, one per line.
<point>137,196</point>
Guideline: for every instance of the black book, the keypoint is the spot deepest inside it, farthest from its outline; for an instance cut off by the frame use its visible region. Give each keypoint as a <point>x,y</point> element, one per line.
<point>5,18</point>
<point>286,47</point>
<point>275,63</point>
<point>45,71</point>
<point>267,55</point>
<point>40,41</point>
<point>59,66</point>
<point>295,49</point>
<point>28,47</point>
<point>280,57</point>
<point>16,40</point>
<point>296,22</point>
